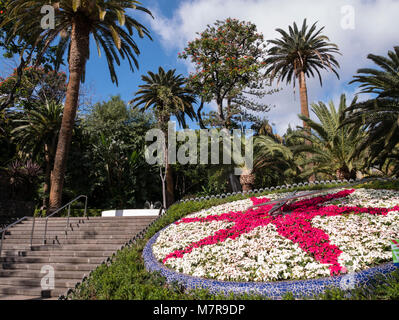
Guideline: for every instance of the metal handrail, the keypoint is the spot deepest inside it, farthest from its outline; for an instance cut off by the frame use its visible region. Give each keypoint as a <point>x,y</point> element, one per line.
<point>3,231</point>
<point>55,212</point>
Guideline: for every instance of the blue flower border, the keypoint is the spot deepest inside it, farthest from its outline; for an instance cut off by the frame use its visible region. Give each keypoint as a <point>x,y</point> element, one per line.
<point>273,290</point>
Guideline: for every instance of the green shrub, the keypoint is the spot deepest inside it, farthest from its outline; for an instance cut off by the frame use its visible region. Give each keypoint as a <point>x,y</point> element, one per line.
<point>382,287</point>
<point>391,185</point>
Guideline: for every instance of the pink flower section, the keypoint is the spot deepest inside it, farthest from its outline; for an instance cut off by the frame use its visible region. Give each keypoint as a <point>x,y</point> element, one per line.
<point>296,226</point>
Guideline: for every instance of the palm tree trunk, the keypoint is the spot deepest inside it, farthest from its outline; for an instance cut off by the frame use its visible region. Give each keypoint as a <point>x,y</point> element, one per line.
<point>247,180</point>
<point>170,192</point>
<point>303,92</point>
<point>79,50</point>
<point>47,175</point>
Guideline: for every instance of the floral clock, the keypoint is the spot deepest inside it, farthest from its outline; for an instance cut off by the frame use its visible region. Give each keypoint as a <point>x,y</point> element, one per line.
<point>320,240</point>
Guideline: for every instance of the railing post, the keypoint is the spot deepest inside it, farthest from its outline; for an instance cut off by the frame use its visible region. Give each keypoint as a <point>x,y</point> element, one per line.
<point>1,242</point>
<point>45,232</point>
<point>69,213</point>
<point>84,214</point>
<point>31,234</point>
<point>66,227</point>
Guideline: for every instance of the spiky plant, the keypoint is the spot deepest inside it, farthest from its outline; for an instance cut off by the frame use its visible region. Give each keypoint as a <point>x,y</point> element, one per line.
<point>331,146</point>
<point>379,116</point>
<point>300,54</point>
<point>36,134</point>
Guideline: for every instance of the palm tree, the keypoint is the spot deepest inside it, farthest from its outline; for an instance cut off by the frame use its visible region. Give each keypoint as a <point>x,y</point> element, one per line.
<point>75,21</point>
<point>36,133</point>
<point>331,145</point>
<point>385,82</point>
<point>166,94</point>
<point>300,54</point>
<point>379,117</point>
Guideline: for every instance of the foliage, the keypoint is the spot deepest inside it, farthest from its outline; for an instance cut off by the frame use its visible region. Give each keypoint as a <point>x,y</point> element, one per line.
<point>332,145</point>
<point>108,145</point>
<point>301,50</point>
<point>228,58</point>
<point>23,179</point>
<point>31,106</point>
<point>273,160</point>
<point>37,129</point>
<point>104,115</point>
<point>75,23</point>
<point>7,147</point>
<point>379,116</point>
<point>107,21</point>
<point>198,180</point>
<point>382,287</point>
<point>23,43</point>
<point>166,94</point>
<point>24,47</point>
<point>389,185</point>
<point>298,54</point>
<point>384,81</point>
<point>37,86</point>
<point>271,153</point>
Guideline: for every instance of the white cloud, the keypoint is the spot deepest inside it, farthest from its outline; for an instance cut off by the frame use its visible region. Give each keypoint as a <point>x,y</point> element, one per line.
<point>375,31</point>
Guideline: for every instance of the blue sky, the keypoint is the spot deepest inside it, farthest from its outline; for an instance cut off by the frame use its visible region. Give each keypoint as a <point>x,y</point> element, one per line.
<point>374,30</point>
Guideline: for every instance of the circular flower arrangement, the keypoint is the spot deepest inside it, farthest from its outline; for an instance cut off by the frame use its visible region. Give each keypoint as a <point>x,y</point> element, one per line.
<point>331,234</point>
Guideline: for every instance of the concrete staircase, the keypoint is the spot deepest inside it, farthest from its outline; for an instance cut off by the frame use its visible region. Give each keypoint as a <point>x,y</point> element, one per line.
<point>72,254</point>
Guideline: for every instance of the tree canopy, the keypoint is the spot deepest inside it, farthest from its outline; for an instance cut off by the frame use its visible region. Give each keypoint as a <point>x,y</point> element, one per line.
<point>228,57</point>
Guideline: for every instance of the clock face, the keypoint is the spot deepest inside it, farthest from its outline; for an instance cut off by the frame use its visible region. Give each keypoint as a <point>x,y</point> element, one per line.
<point>329,232</point>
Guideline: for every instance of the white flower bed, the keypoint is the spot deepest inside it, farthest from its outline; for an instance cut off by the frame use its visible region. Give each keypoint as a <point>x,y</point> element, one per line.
<point>264,255</point>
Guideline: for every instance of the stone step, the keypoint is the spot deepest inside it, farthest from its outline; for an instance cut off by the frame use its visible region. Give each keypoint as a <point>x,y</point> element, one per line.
<point>76,275</point>
<point>49,247</point>
<point>85,222</point>
<point>23,297</point>
<point>35,282</point>
<point>87,243</point>
<point>57,266</point>
<point>80,228</point>
<point>52,259</point>
<point>28,291</point>
<point>43,253</point>
<point>91,220</point>
<point>62,240</point>
<point>71,235</point>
